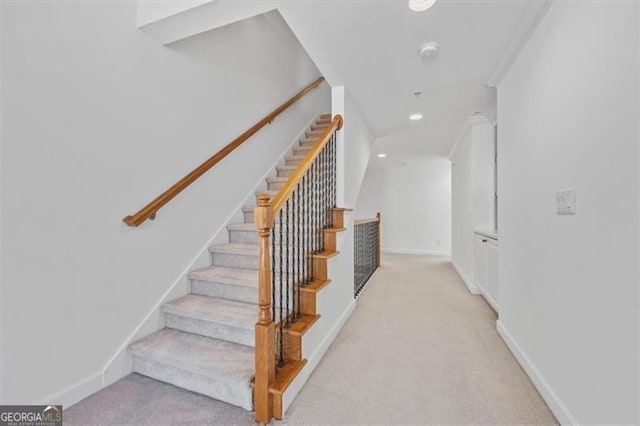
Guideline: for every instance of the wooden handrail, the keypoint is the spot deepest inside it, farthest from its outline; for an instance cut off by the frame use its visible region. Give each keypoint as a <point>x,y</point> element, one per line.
<point>149,211</point>
<point>287,189</point>
<point>368,220</point>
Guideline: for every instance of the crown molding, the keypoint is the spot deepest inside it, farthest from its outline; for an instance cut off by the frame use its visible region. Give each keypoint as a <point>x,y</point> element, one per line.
<point>529,21</point>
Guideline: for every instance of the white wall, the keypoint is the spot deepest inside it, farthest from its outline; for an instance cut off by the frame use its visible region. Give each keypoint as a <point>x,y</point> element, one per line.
<point>568,118</point>
<point>462,232</point>
<point>473,187</point>
<point>415,204</point>
<point>98,118</point>
<point>358,142</point>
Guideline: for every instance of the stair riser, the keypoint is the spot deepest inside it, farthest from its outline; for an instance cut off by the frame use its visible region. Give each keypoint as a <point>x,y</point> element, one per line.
<point>243,261</point>
<point>216,330</point>
<point>274,186</point>
<point>289,162</point>
<point>234,260</point>
<point>307,143</point>
<point>251,237</point>
<point>225,291</point>
<point>248,217</point>
<point>303,150</point>
<point>321,127</point>
<point>230,292</point>
<point>285,173</point>
<point>238,394</point>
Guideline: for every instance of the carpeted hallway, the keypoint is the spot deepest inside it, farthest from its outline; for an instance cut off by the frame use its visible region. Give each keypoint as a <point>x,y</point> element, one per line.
<point>418,349</point>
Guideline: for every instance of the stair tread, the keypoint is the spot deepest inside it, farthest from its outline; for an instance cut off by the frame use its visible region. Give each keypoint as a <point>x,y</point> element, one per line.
<point>205,356</point>
<point>283,168</point>
<point>295,157</point>
<point>249,208</point>
<point>221,274</point>
<point>212,309</point>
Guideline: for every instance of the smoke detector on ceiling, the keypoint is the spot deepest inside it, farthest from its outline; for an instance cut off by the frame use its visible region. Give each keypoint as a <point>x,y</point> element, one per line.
<point>428,50</point>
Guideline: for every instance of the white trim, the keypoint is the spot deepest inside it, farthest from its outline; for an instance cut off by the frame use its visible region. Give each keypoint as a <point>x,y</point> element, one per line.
<point>558,408</point>
<point>76,392</point>
<point>119,365</point>
<point>473,289</point>
<point>294,388</point>
<point>416,251</point>
<point>490,301</point>
<point>529,21</point>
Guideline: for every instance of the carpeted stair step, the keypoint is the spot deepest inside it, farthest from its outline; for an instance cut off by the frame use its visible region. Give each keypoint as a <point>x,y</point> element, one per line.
<point>320,126</point>
<point>307,142</point>
<point>218,369</point>
<point>247,233</point>
<point>275,183</point>
<point>247,212</point>
<point>235,255</point>
<point>286,171</point>
<point>293,160</point>
<point>227,283</point>
<point>301,150</point>
<point>243,256</point>
<point>314,133</point>
<point>222,319</point>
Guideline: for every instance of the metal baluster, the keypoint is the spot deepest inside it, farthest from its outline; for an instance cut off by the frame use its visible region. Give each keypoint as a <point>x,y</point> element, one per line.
<point>281,325</point>
<point>312,220</point>
<point>300,278</point>
<point>287,276</point>
<point>326,185</point>
<point>321,202</point>
<point>294,255</point>
<point>273,273</point>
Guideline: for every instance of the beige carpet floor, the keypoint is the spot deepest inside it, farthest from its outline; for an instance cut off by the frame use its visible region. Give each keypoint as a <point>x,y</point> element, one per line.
<point>419,349</point>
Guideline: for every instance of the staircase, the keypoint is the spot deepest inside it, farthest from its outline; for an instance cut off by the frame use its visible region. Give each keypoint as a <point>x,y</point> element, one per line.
<point>207,345</point>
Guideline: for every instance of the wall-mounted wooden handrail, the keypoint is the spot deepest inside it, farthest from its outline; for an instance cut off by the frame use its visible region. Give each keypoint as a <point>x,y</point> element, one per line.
<point>149,211</point>
<point>287,189</point>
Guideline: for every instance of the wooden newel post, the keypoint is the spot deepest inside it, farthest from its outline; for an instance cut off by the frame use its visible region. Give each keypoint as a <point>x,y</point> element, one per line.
<point>379,237</point>
<point>265,327</point>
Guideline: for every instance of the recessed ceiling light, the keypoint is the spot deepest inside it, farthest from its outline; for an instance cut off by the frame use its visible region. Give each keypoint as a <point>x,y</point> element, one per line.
<point>415,117</point>
<point>421,5</point>
<point>382,155</point>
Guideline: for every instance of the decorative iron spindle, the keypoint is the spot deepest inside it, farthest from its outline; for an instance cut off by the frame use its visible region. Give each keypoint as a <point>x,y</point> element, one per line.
<point>299,278</point>
<point>281,341</point>
<point>287,277</point>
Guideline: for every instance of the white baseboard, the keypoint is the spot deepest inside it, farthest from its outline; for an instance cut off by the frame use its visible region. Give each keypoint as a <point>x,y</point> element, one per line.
<point>557,407</point>
<point>294,388</point>
<point>76,392</point>
<point>473,289</point>
<point>416,251</point>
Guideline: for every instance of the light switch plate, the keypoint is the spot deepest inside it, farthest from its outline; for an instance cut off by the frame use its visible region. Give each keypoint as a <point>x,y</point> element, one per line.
<point>566,202</point>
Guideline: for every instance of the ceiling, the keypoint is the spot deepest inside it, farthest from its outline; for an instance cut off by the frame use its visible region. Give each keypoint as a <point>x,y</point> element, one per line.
<point>372,49</point>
